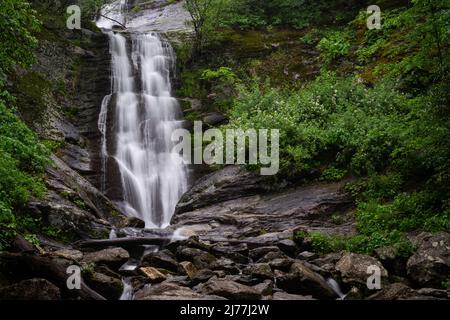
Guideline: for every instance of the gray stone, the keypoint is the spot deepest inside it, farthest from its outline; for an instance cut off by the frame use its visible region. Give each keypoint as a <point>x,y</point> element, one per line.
<point>161,259</point>
<point>288,296</point>
<point>303,280</point>
<point>430,265</point>
<point>229,289</point>
<point>354,268</point>
<point>112,257</point>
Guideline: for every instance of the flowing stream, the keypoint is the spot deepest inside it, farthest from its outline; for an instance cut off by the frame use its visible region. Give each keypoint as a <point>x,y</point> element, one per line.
<point>145,114</point>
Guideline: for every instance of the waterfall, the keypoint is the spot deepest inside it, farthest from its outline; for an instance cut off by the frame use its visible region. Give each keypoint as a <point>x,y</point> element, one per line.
<point>153,178</point>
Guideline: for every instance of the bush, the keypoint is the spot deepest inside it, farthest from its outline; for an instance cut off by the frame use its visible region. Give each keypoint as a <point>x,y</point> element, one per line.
<point>398,145</point>
<point>22,161</point>
<point>334,44</point>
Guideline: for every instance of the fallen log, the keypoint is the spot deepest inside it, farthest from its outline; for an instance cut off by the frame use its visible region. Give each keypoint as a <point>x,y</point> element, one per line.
<point>127,243</point>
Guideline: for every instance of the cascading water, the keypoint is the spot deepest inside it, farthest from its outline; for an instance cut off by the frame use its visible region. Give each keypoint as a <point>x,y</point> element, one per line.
<point>153,178</point>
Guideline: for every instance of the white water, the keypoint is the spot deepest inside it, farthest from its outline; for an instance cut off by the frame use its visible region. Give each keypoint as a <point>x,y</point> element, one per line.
<point>153,178</point>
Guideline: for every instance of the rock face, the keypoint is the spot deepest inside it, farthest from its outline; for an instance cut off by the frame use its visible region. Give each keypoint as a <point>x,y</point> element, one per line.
<point>430,265</point>
<point>223,204</point>
<point>230,183</point>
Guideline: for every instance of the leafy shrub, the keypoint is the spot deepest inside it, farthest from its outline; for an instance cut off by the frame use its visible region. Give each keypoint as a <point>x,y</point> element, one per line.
<point>22,160</point>
<point>334,44</point>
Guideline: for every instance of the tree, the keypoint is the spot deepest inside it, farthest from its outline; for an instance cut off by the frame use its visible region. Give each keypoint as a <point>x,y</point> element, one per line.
<point>18,23</point>
<point>204,15</point>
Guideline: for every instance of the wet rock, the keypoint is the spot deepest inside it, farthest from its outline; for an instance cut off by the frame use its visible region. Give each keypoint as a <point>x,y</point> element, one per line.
<point>277,260</point>
<point>229,183</point>
<point>258,253</point>
<point>202,275</point>
<point>430,265</point>
<point>288,296</point>
<point>214,118</point>
<point>109,287</point>
<point>260,271</point>
<point>161,259</point>
<point>20,244</point>
<point>265,288</point>
<point>303,280</point>
<point>153,274</point>
<point>394,291</point>
<point>134,222</point>
<point>225,264</point>
<point>288,246</point>
<point>354,294</point>
<point>112,257</point>
<point>392,260</point>
<point>229,289</point>
<point>199,258</point>
<point>432,292</point>
<point>354,269</point>
<point>307,255</point>
<point>166,291</point>
<point>31,289</point>
<point>188,268</point>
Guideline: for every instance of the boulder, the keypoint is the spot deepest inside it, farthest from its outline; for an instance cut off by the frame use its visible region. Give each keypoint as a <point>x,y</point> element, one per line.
<point>188,268</point>
<point>161,259</point>
<point>355,269</point>
<point>201,259</point>
<point>225,264</point>
<point>31,289</point>
<point>265,288</point>
<point>153,274</point>
<point>288,246</point>
<point>112,257</point>
<point>307,255</point>
<point>288,296</point>
<point>229,289</point>
<point>394,291</point>
<point>303,280</point>
<point>202,276</point>
<point>260,271</point>
<point>214,118</point>
<point>166,291</point>
<point>108,286</point>
<point>392,260</point>
<point>258,253</point>
<point>429,266</point>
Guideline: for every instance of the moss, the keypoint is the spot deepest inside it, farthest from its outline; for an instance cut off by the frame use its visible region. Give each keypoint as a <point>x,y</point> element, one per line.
<point>32,89</point>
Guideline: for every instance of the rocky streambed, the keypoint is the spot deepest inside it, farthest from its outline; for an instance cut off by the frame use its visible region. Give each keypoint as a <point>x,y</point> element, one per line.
<point>240,246</point>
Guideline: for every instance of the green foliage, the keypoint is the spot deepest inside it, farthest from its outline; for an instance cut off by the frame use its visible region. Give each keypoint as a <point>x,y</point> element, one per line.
<point>22,157</point>
<point>222,82</point>
<point>364,244</point>
<point>332,174</point>
<point>22,160</point>
<point>204,18</point>
<point>343,126</point>
<point>18,23</point>
<point>247,14</point>
<point>333,45</point>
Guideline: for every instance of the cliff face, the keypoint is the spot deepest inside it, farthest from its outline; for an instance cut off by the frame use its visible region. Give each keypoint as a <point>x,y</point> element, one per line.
<point>60,99</point>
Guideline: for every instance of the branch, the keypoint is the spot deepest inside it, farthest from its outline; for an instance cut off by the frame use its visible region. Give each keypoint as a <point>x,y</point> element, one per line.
<point>114,20</point>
